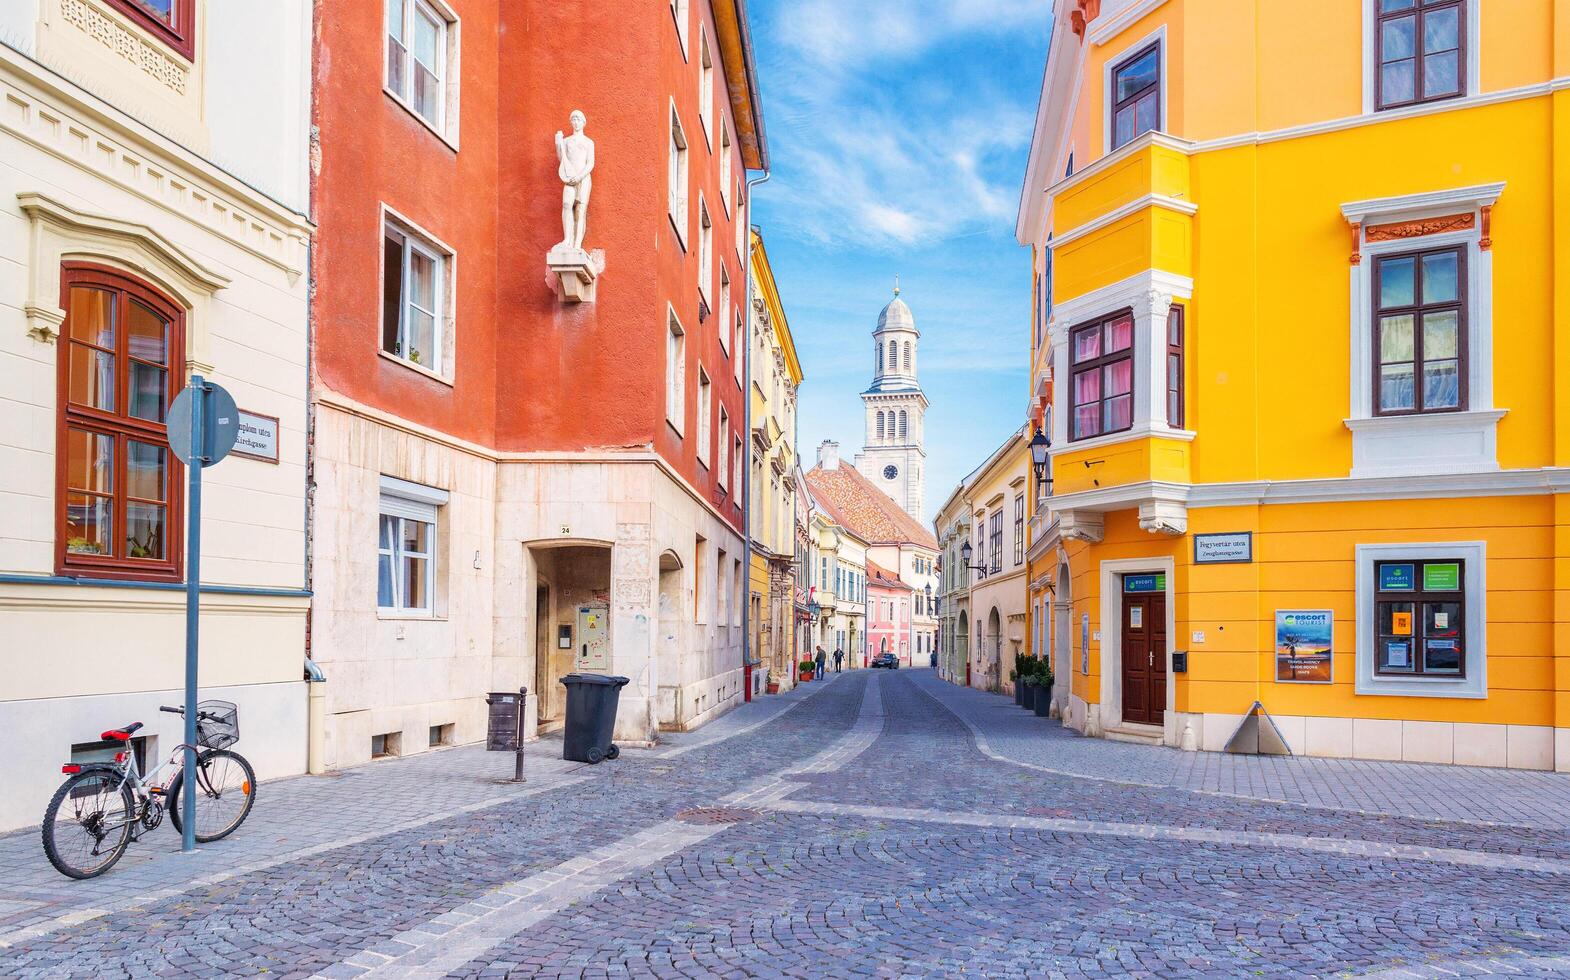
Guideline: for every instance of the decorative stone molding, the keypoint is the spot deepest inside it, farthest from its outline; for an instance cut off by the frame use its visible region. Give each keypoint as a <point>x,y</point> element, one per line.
<point>127,43</point>
<point>574,272</point>
<point>1082,525</point>
<point>1163,517</point>
<point>59,233</point>
<point>1416,229</point>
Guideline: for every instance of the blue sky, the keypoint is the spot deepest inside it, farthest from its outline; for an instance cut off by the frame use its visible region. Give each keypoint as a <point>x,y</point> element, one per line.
<point>898,131</point>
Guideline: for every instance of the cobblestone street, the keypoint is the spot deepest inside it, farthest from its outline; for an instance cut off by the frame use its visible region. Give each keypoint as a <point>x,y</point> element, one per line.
<point>881,824</point>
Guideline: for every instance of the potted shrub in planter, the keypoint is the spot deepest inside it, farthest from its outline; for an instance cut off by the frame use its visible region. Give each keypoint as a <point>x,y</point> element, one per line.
<point>1044,691</point>
<point>1028,685</point>
<point>1019,687</point>
<point>805,669</point>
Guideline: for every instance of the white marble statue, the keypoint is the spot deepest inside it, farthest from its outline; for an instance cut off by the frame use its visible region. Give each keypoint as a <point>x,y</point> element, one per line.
<point>576,153</point>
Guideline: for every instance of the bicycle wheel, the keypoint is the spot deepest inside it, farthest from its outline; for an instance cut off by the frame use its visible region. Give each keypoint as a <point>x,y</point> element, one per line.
<point>88,823</point>
<point>226,789</point>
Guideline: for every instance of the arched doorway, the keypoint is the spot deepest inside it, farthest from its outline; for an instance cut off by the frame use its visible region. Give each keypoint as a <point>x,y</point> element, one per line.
<point>1063,645</point>
<point>993,651</point>
<point>962,648</point>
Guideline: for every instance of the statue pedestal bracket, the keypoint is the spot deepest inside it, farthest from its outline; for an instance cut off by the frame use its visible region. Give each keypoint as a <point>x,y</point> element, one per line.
<point>574,272</point>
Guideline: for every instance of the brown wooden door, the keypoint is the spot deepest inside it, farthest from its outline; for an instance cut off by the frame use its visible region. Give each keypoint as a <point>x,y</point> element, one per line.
<point>1145,658</point>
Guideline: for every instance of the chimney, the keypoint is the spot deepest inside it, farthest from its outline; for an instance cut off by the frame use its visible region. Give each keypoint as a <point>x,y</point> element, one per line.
<point>829,454</point>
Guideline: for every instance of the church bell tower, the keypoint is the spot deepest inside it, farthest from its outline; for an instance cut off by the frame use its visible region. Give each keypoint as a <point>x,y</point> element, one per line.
<point>894,455</point>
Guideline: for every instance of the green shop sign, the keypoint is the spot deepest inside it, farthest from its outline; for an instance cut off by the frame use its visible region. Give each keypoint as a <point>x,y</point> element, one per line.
<point>1156,582</point>
<point>1442,577</point>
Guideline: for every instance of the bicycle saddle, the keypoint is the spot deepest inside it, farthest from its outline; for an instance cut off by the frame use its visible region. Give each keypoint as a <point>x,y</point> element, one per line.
<point>121,734</point>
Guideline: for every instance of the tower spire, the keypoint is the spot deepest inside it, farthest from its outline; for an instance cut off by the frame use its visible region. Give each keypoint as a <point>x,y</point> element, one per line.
<point>896,284</point>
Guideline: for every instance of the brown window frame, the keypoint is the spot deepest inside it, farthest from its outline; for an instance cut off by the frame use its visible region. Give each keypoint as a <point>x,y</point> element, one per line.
<point>1176,328</point>
<point>122,427</point>
<point>1118,105</point>
<point>1419,10</point>
<point>996,531</point>
<point>1418,308</point>
<point>181,36</point>
<point>1097,363</point>
<point>1418,597</point>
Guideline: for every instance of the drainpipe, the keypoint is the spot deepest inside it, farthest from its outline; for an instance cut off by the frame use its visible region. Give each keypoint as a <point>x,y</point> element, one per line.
<point>746,470</point>
<point>316,719</point>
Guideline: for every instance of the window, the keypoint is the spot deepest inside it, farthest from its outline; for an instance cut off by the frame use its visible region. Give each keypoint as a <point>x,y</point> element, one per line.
<point>1019,530</point>
<point>417,58</point>
<point>1044,294</point>
<point>741,226</point>
<point>1136,95</point>
<point>406,547</point>
<point>121,364</point>
<point>878,349</point>
<point>880,425</point>
<point>739,347</point>
<point>904,426</point>
<point>722,448</point>
<point>997,541</point>
<point>705,252</point>
<point>679,14</point>
<point>705,410</point>
<point>676,374</point>
<point>722,593</point>
<point>736,461</point>
<point>724,308</point>
<point>1420,332</point>
<point>1421,51</point>
<point>906,359</point>
<point>700,565</point>
<point>414,276</point>
<point>1101,356</point>
<point>676,177</point>
<point>1175,367</point>
<point>725,164</point>
<point>171,21</point>
<point>1419,618</point>
<point>705,85</point>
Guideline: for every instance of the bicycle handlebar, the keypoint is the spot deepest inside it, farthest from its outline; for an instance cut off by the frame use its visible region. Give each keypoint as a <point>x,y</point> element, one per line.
<point>202,715</point>
<point>172,711</point>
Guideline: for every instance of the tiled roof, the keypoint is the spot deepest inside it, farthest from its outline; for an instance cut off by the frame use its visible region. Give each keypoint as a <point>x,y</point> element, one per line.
<point>867,511</point>
<point>881,577</point>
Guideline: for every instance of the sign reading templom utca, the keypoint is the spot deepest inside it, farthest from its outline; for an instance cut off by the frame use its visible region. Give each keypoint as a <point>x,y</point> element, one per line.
<point>258,438</point>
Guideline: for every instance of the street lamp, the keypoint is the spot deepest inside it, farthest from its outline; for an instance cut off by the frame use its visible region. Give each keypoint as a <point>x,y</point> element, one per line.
<point>965,551</point>
<point>1040,446</point>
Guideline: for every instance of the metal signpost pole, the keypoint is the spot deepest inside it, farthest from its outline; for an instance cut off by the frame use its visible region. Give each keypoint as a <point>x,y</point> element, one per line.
<point>193,604</point>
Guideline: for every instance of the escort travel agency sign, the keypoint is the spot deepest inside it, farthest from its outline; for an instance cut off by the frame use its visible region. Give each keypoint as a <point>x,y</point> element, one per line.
<point>1303,645</point>
<point>1153,582</point>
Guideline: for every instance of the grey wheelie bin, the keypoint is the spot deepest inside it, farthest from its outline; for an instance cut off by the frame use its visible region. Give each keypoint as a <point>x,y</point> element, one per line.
<point>591,717</point>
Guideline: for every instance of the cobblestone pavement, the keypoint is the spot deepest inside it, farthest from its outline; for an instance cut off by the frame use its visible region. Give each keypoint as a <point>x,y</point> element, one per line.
<point>854,828</point>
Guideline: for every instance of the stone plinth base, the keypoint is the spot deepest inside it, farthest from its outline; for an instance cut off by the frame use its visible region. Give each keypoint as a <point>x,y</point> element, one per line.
<point>574,272</point>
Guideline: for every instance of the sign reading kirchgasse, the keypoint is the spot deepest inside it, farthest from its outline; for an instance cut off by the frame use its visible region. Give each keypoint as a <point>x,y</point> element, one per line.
<point>1303,645</point>
<point>258,437</point>
<point>1221,549</point>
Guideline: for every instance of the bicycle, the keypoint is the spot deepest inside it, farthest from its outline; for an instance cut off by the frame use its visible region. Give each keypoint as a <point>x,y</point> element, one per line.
<point>104,806</point>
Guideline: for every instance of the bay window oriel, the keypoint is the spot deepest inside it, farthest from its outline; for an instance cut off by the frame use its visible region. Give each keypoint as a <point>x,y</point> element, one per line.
<point>121,364</point>
<point>1101,385</point>
<point>1136,95</point>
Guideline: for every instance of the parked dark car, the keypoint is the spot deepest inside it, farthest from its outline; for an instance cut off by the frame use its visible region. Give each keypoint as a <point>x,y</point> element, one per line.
<point>886,660</point>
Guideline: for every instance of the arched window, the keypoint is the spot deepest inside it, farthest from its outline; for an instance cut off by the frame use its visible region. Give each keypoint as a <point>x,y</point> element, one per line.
<point>880,425</point>
<point>893,356</point>
<point>121,364</point>
<point>907,357</point>
<point>904,427</point>
<point>880,357</point>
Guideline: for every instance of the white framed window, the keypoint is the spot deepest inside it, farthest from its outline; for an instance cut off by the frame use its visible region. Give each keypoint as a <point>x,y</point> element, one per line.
<point>679,14</point>
<point>416,303</point>
<point>722,447</point>
<point>705,251</point>
<point>726,150</point>
<point>737,580</point>
<point>1419,52</point>
<point>705,410</point>
<point>741,226</point>
<point>1422,619</point>
<point>676,177</point>
<point>737,457</point>
<point>1461,439</point>
<point>700,568</point>
<point>723,309</point>
<point>675,373</point>
<point>1134,91</point>
<point>740,350</point>
<point>406,547</point>
<point>705,85</point>
<point>422,62</point>
<point>722,593</point>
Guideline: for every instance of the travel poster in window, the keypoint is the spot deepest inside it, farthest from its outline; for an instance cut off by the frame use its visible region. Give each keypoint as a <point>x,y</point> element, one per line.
<point>1303,645</point>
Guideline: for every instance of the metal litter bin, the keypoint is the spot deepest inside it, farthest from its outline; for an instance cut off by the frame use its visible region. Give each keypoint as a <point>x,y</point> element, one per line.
<point>591,717</point>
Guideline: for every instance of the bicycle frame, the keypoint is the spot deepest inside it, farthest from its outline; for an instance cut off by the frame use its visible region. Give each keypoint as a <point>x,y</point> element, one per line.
<point>143,788</point>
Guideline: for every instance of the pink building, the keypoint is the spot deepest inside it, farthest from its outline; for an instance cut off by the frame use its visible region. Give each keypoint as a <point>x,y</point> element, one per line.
<point>888,614</point>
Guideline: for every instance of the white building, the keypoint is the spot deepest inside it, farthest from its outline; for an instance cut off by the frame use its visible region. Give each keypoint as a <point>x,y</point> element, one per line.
<point>154,192</point>
<point>894,453</point>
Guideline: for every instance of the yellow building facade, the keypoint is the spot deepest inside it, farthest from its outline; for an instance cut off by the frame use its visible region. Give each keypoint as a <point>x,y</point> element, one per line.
<point>775,376</point>
<point>1301,357</point>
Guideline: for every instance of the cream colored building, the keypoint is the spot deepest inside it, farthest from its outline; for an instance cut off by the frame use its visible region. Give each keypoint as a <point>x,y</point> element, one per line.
<point>153,190</point>
<point>838,563</point>
<point>775,380</point>
<point>953,527</point>
<point>995,497</point>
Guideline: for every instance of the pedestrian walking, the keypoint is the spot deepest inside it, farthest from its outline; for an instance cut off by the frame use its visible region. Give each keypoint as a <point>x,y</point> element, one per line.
<point>839,658</point>
<point>821,658</point>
